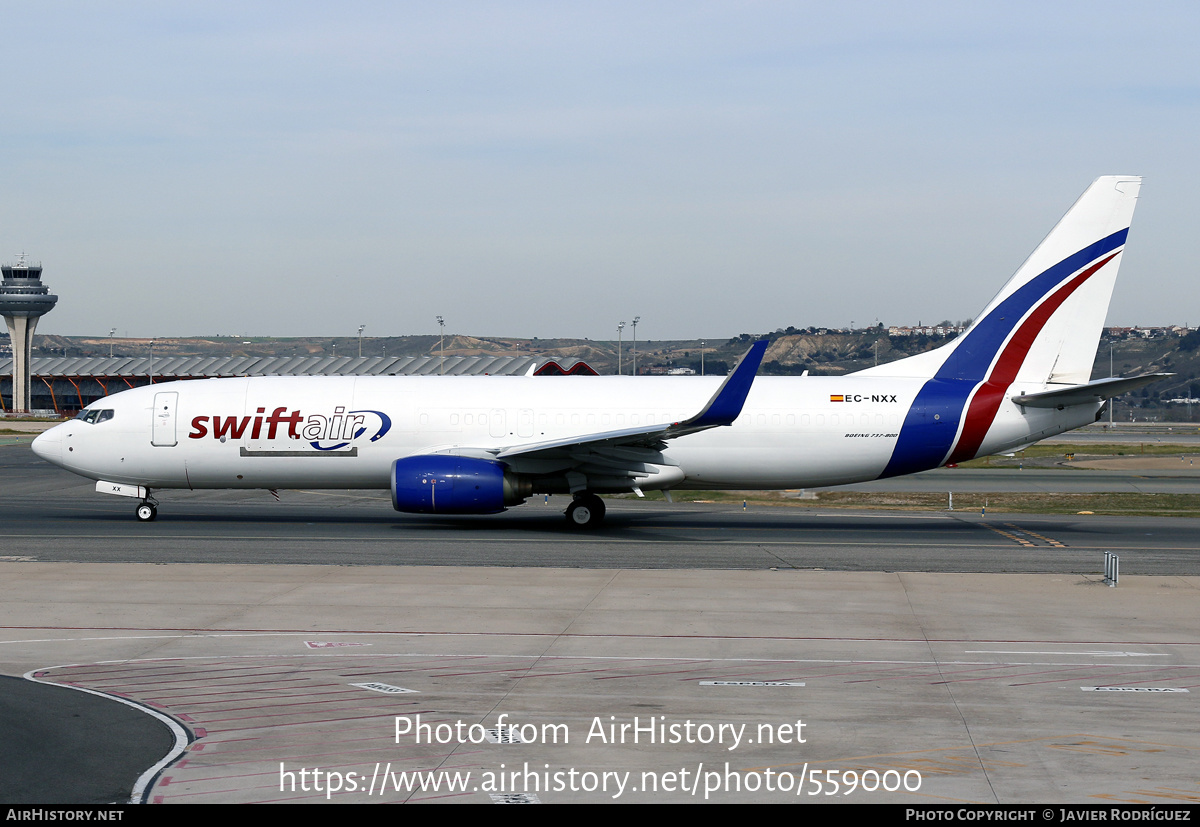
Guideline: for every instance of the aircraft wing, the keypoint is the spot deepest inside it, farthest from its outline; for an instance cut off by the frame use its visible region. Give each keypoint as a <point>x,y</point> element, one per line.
<point>1091,392</point>
<point>636,445</point>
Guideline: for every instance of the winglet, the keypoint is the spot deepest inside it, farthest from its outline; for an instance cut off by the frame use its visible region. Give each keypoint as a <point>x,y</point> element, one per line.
<point>724,407</point>
<point>726,404</point>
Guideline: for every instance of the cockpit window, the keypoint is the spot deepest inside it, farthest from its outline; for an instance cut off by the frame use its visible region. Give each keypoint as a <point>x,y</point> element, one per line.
<point>94,415</point>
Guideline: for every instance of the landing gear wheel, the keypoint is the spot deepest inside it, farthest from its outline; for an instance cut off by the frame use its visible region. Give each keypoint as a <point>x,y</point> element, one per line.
<point>146,512</point>
<point>587,511</point>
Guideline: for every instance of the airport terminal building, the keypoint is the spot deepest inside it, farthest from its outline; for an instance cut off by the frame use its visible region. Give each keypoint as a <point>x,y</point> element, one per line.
<point>61,386</point>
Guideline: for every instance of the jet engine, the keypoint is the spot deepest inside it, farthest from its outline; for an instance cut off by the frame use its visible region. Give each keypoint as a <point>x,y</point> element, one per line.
<point>445,484</point>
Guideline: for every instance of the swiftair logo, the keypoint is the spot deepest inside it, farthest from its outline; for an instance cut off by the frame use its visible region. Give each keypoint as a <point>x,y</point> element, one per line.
<point>323,432</point>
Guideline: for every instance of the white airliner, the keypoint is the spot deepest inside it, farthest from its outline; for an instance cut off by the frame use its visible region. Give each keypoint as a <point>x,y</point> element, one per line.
<point>477,445</point>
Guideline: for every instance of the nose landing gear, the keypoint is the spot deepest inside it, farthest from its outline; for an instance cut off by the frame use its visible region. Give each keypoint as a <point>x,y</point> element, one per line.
<point>147,509</point>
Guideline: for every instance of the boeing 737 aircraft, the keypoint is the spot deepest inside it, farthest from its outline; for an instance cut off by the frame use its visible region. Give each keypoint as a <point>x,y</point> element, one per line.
<point>477,445</point>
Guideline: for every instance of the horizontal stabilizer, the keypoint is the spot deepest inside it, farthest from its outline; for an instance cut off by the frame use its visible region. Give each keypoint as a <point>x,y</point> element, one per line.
<point>1096,391</point>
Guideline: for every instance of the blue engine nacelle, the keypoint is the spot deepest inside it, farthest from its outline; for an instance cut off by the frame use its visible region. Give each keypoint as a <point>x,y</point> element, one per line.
<point>444,484</point>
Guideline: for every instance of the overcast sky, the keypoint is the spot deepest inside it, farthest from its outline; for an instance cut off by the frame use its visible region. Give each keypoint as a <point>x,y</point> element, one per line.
<point>549,168</point>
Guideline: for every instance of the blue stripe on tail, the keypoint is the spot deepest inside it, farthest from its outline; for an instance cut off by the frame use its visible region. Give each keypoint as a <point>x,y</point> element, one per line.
<point>932,422</point>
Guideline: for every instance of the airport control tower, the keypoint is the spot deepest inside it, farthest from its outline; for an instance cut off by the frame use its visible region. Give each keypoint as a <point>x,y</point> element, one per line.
<point>23,300</point>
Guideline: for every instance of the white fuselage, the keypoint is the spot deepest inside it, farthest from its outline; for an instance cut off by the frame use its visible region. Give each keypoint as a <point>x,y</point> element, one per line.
<point>345,432</point>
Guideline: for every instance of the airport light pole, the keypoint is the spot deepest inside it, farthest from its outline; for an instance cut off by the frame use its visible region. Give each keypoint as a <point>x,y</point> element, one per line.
<point>152,361</point>
<point>636,319</point>
<point>1112,402</point>
<point>111,333</point>
<point>442,342</point>
<point>620,327</point>
<point>361,328</point>
<point>702,344</point>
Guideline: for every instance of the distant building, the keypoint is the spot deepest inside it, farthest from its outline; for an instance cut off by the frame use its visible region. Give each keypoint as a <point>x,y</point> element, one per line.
<point>64,385</point>
<point>923,330</point>
<point>23,300</point>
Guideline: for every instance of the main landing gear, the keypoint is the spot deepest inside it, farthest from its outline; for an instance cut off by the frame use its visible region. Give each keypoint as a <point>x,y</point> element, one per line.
<point>586,511</point>
<point>147,509</point>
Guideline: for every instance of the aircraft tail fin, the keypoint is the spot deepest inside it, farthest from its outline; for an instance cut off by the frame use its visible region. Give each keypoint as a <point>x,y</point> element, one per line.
<point>1045,324</point>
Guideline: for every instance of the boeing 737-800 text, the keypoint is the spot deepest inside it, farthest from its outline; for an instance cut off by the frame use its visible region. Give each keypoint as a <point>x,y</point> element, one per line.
<point>477,445</point>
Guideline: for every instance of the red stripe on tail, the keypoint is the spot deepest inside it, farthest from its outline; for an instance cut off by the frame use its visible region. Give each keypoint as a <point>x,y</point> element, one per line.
<point>990,394</point>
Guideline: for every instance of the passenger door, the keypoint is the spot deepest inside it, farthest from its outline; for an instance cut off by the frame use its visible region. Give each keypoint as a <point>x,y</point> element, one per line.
<point>163,430</point>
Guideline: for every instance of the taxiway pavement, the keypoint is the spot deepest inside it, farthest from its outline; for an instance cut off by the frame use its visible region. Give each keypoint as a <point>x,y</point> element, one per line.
<point>288,637</point>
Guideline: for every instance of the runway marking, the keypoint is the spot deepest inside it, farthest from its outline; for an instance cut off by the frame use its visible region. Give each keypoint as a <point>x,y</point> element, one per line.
<point>1117,746</point>
<point>1004,533</point>
<point>179,734</point>
<point>186,634</point>
<point>1113,676</point>
<point>600,658</point>
<point>1081,654</point>
<point>933,515</point>
<point>1131,689</point>
<point>156,542</point>
<point>1054,543</point>
<point>146,637</point>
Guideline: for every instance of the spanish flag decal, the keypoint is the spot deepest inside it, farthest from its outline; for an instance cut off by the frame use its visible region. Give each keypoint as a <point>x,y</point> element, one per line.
<point>837,397</point>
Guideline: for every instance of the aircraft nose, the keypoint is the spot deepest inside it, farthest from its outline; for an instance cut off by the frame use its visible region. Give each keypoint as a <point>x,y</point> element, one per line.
<point>48,445</point>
